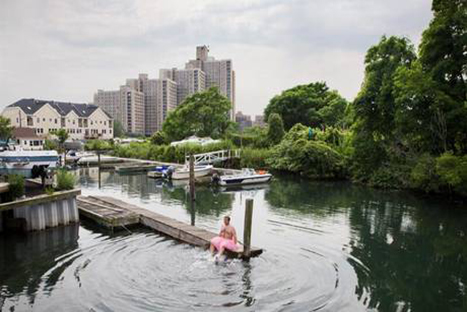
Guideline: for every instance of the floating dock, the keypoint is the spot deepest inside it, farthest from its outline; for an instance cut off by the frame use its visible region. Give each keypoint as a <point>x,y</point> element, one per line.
<point>134,167</point>
<point>113,213</point>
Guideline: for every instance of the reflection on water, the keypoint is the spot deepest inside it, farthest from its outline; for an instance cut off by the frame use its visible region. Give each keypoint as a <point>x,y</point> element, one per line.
<point>328,247</point>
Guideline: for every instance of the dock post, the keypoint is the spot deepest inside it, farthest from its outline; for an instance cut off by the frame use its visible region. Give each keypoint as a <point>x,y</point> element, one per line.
<point>192,178</point>
<point>99,168</point>
<point>247,227</point>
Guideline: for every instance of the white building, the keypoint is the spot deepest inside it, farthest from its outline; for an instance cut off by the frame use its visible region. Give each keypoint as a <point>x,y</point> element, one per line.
<point>125,106</point>
<point>219,73</point>
<point>81,121</point>
<point>160,97</point>
<point>27,139</point>
<point>189,81</point>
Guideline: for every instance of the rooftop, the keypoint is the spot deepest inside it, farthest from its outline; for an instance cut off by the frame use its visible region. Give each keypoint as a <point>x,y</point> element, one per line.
<point>30,106</point>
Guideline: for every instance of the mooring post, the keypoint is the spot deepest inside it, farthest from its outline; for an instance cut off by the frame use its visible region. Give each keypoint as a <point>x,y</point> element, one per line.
<point>99,168</point>
<point>192,178</point>
<point>247,227</point>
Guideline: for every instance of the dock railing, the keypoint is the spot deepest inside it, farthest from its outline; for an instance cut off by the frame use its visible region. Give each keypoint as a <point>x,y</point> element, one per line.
<point>213,157</point>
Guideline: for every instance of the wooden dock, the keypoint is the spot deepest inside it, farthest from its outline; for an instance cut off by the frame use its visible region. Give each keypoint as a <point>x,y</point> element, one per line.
<point>134,167</point>
<point>114,213</point>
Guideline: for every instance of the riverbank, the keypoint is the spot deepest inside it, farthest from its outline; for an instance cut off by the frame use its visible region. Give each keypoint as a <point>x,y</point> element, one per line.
<point>322,159</point>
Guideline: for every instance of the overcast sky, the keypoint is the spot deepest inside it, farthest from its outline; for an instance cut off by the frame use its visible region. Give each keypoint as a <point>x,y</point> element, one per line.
<point>65,50</point>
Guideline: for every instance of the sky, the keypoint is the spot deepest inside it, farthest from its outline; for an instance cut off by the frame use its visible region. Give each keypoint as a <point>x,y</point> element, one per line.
<point>65,50</point>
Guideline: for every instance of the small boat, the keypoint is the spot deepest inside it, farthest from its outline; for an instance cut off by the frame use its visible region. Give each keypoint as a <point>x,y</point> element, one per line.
<point>93,160</point>
<point>184,173</point>
<point>25,162</point>
<point>158,172</point>
<point>247,176</point>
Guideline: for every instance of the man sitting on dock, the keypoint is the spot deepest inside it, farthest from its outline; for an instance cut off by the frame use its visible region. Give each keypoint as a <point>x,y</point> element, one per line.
<point>227,238</point>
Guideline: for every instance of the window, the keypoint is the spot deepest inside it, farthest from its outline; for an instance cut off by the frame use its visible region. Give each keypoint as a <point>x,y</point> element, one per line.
<point>38,120</point>
<point>17,120</point>
<point>73,122</point>
<point>91,122</point>
<point>50,119</point>
<point>56,121</point>
<point>43,119</point>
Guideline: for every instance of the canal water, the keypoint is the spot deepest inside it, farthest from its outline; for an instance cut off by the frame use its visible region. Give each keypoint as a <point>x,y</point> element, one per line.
<point>328,247</point>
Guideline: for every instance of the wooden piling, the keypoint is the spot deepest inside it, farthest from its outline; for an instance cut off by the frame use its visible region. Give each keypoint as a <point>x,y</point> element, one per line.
<point>192,178</point>
<point>247,227</point>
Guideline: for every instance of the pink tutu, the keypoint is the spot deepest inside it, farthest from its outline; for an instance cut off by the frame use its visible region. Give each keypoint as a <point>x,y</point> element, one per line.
<point>220,242</point>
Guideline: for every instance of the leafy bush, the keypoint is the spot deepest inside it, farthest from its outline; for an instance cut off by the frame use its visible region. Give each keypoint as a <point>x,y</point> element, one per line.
<point>50,145</point>
<point>423,175</point>
<point>65,180</point>
<point>16,186</point>
<point>254,158</point>
<point>97,145</point>
<point>452,171</point>
<point>159,138</point>
<point>310,158</point>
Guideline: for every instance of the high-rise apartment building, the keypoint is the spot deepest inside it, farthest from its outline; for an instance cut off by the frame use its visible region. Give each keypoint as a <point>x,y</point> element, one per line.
<point>189,81</point>
<point>160,97</point>
<point>218,73</point>
<point>125,106</point>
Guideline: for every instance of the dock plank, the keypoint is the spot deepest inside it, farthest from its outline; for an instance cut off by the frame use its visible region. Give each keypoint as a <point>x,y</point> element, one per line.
<point>112,212</point>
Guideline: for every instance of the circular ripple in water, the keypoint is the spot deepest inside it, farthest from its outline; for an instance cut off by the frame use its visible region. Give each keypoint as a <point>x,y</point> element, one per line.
<point>148,272</point>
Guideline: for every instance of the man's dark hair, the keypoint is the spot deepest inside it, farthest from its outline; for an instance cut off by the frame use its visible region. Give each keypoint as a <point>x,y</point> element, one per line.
<point>228,218</point>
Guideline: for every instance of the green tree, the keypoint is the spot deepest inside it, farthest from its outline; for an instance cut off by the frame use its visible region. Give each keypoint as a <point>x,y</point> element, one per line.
<point>374,108</point>
<point>202,114</point>
<point>432,94</point>
<point>159,138</point>
<point>62,135</point>
<point>375,104</point>
<point>275,129</point>
<point>6,130</point>
<point>443,47</point>
<point>118,129</point>
<point>302,104</point>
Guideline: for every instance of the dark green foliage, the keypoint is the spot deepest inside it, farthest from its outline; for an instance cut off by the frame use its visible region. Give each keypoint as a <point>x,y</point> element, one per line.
<point>65,180</point>
<point>452,171</point>
<point>443,48</point>
<point>313,159</point>
<point>423,175</point>
<point>118,129</point>
<point>16,187</point>
<point>6,130</point>
<point>275,129</point>
<point>159,138</point>
<point>254,158</point>
<point>311,105</point>
<point>205,114</point>
<point>375,105</point>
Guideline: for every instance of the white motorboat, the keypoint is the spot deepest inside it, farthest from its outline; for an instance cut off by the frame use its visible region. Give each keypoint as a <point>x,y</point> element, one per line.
<point>184,173</point>
<point>93,160</point>
<point>24,162</point>
<point>247,176</point>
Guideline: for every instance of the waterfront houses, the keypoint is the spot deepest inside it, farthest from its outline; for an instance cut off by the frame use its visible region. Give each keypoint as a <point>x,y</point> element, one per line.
<point>81,121</point>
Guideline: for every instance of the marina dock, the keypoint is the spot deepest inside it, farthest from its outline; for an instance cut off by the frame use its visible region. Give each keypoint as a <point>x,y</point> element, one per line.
<point>113,213</point>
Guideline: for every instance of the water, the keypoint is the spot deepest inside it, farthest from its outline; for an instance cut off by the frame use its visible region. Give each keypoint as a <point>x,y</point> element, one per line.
<point>328,247</point>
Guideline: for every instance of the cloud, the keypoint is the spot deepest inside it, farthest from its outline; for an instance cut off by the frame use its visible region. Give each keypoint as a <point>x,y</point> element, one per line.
<point>66,50</point>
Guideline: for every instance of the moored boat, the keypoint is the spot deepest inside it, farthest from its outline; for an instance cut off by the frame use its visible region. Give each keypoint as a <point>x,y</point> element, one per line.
<point>93,160</point>
<point>24,162</point>
<point>184,172</point>
<point>247,176</point>
<point>158,172</point>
